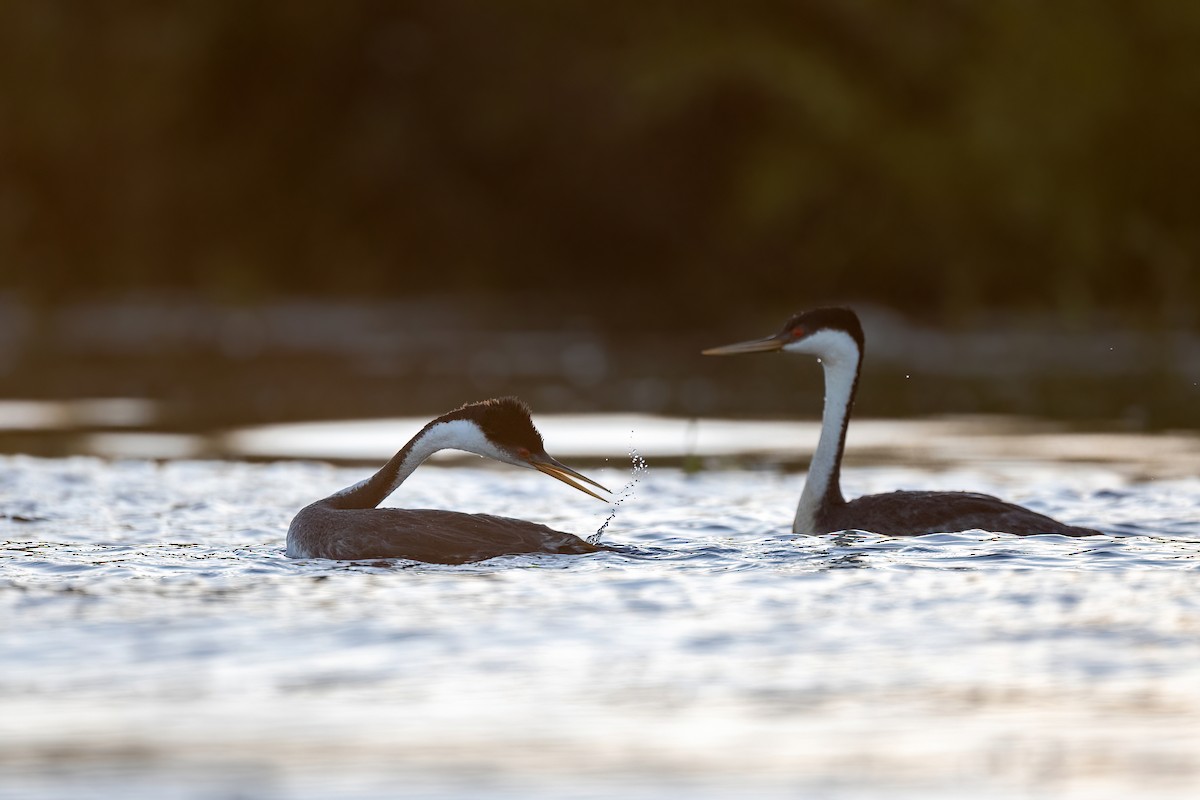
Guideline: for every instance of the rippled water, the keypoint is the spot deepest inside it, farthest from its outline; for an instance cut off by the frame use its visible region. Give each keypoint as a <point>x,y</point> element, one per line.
<point>156,643</point>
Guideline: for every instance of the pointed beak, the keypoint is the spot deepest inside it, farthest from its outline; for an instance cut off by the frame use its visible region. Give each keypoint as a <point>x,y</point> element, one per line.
<point>767,345</point>
<point>545,464</point>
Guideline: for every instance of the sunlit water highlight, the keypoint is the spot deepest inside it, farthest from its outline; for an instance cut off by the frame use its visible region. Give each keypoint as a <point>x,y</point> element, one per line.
<point>156,643</point>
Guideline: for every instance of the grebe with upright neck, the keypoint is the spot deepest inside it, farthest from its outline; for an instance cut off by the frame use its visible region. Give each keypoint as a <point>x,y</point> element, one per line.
<point>835,337</point>
<point>347,524</point>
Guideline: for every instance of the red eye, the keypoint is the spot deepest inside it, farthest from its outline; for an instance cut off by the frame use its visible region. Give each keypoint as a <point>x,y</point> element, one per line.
<point>523,452</point>
<point>798,331</point>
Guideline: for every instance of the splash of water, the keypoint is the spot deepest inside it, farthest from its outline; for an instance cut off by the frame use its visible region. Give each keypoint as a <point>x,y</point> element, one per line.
<point>626,492</point>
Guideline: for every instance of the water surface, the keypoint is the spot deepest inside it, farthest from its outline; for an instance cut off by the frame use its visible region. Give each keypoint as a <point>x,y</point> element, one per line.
<point>156,643</point>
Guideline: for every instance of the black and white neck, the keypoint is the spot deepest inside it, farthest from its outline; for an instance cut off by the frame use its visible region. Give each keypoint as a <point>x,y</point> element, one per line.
<point>840,355</point>
<point>835,337</point>
<point>440,434</point>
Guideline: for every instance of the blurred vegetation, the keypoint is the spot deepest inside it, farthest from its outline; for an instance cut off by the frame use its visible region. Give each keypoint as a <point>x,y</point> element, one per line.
<point>685,159</point>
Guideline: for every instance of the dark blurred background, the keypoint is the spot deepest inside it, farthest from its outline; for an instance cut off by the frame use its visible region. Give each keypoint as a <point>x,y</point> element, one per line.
<point>259,210</point>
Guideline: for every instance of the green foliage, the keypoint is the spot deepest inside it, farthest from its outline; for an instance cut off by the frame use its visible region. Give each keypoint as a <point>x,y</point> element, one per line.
<point>939,156</point>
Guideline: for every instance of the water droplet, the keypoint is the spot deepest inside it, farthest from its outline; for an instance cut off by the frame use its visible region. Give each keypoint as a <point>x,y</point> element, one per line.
<point>625,493</point>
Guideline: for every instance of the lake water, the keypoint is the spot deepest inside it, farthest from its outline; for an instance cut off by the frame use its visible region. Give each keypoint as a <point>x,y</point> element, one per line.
<point>156,643</point>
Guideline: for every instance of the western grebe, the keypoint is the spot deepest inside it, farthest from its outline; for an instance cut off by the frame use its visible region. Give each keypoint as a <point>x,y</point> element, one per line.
<point>835,337</point>
<point>347,524</point>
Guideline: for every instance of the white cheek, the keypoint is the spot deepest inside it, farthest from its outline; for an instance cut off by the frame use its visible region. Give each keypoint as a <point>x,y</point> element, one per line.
<point>488,449</point>
<point>829,346</point>
<point>458,435</point>
<point>476,442</point>
<point>463,435</point>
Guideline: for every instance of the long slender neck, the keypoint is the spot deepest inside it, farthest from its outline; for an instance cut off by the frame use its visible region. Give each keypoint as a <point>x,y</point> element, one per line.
<point>437,435</point>
<point>823,488</point>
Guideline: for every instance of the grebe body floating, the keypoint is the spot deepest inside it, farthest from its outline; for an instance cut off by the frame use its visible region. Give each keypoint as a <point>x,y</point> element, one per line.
<point>347,524</point>
<point>835,337</point>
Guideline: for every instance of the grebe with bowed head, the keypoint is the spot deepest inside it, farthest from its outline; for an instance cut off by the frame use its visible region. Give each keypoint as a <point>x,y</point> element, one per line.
<point>835,337</point>
<point>347,524</point>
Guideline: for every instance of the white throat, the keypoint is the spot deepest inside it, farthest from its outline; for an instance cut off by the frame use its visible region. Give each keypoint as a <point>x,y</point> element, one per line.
<point>839,355</point>
<point>457,434</point>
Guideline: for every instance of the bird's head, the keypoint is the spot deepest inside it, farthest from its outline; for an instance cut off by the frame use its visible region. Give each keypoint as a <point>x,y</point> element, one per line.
<point>831,334</point>
<point>502,429</point>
